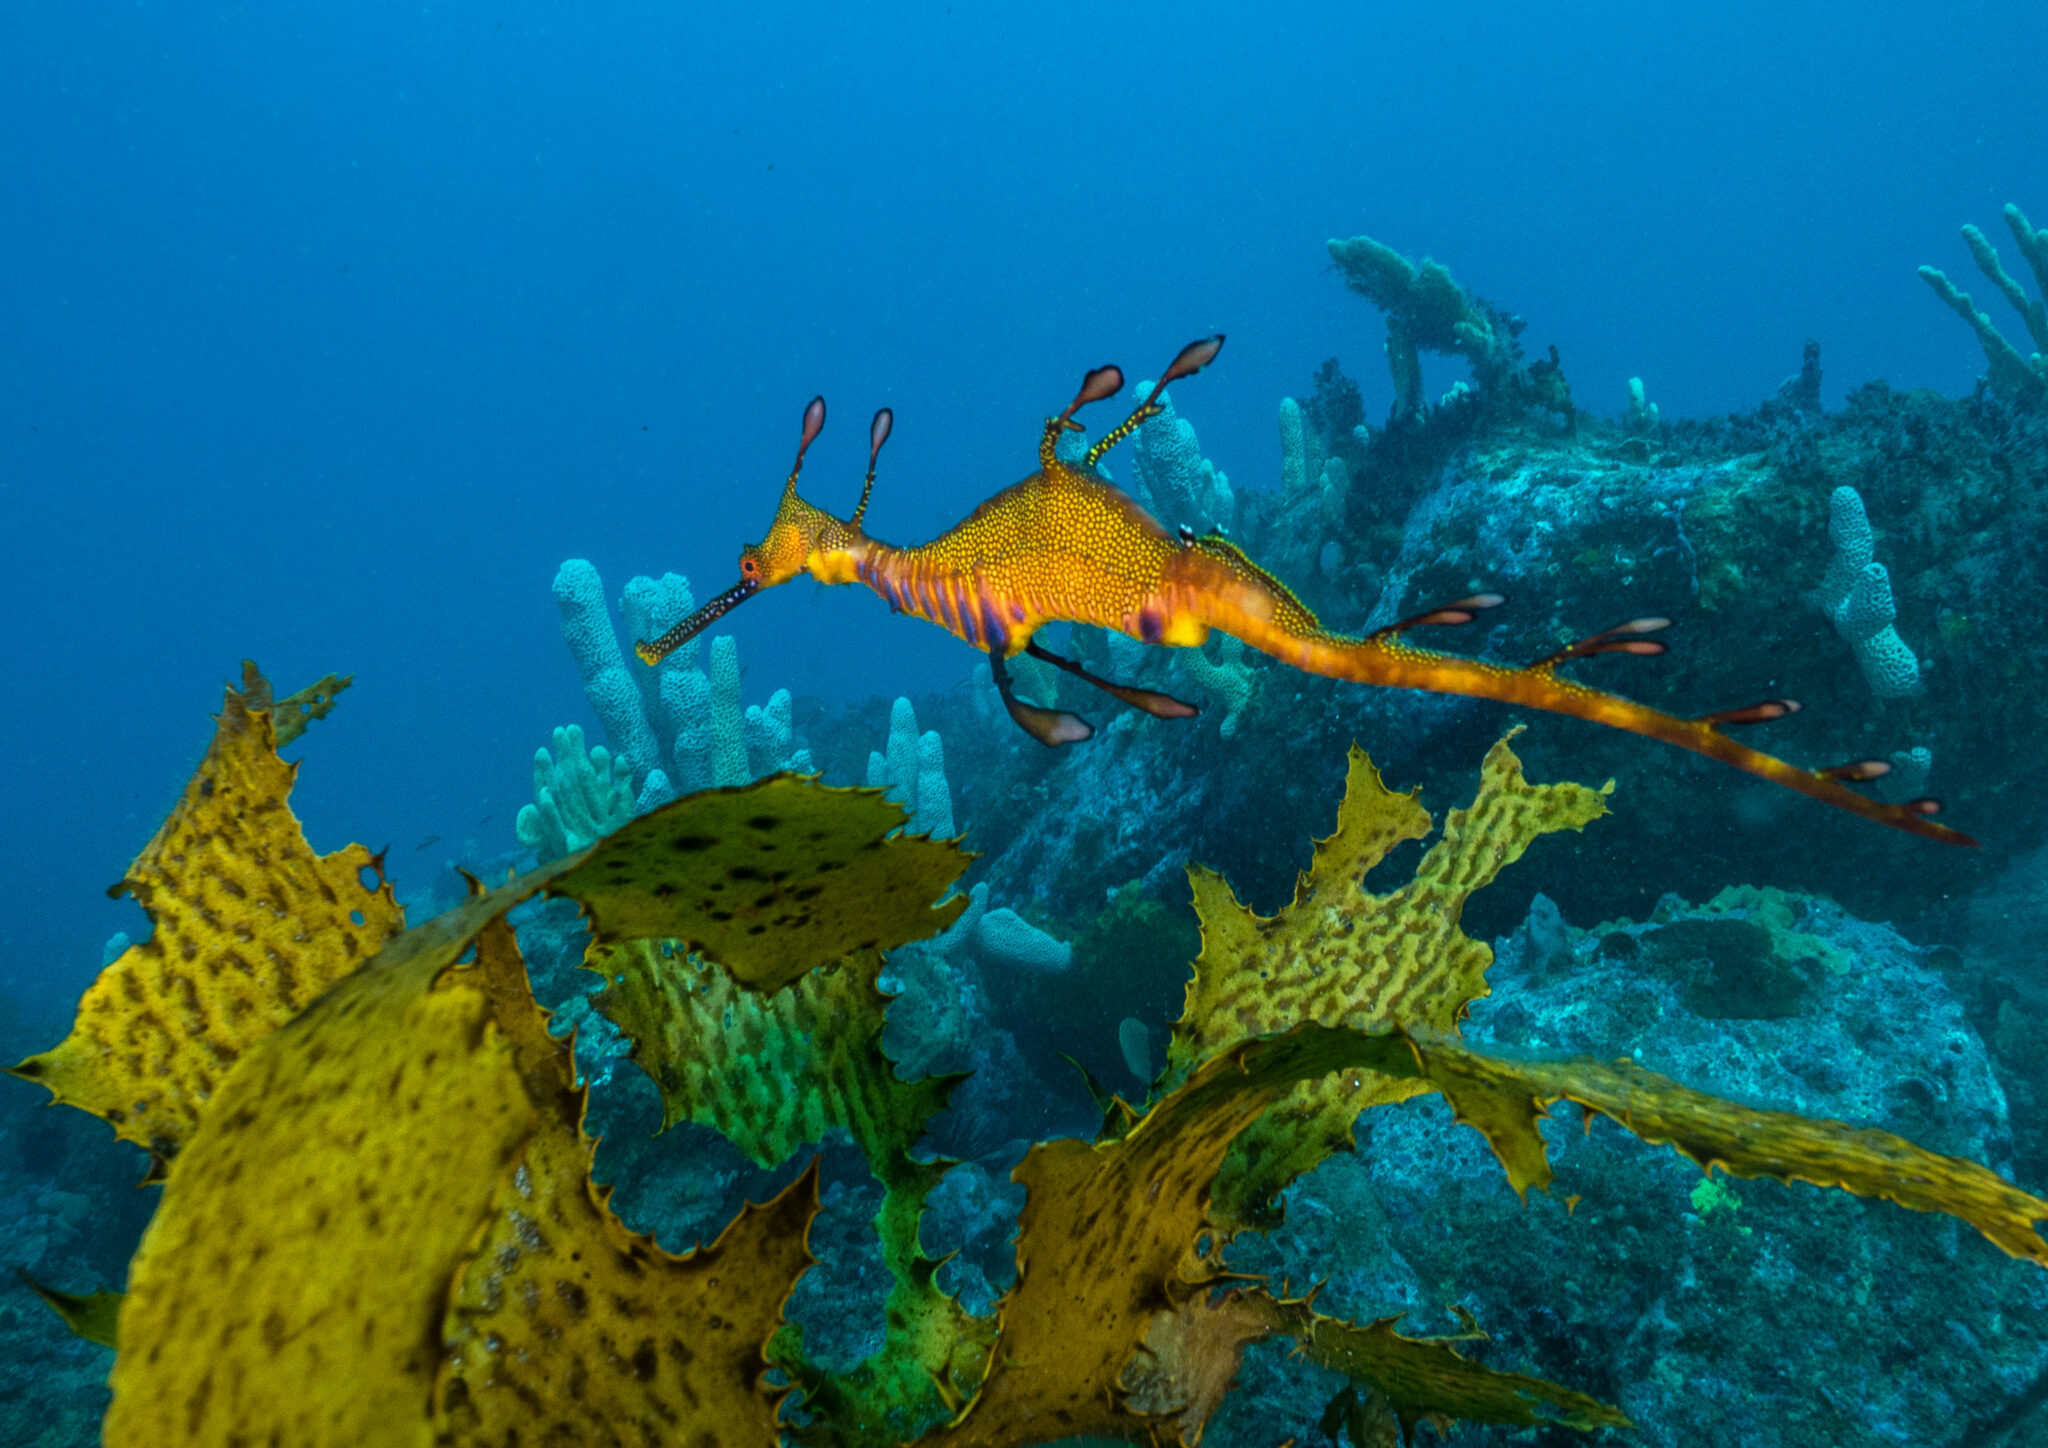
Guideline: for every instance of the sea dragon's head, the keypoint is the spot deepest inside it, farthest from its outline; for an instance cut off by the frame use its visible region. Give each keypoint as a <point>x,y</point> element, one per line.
<point>802,539</point>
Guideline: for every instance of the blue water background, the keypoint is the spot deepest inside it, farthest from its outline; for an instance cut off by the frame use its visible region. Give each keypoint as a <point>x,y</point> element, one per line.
<point>328,331</point>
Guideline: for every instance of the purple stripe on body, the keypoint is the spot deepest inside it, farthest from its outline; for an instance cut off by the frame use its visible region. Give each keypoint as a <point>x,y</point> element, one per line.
<point>970,618</point>
<point>994,631</point>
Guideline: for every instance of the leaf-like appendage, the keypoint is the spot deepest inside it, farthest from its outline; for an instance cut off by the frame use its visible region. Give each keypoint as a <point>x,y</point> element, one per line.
<point>774,1073</point>
<point>251,926</point>
<point>770,879</point>
<point>291,714</point>
<point>1423,1377</point>
<point>567,1328</point>
<point>1506,1099</point>
<point>1189,1357</point>
<point>1341,955</point>
<point>1111,1231</point>
<point>94,1316</point>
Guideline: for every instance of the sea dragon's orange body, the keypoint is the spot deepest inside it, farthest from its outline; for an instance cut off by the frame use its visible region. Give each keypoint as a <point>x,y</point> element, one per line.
<point>1064,545</point>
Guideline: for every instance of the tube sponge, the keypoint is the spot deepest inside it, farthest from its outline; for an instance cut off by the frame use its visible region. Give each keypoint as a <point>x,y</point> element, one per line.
<point>1007,941</point>
<point>1295,440</point>
<point>1185,486</point>
<point>912,773</point>
<point>2012,374</point>
<point>1227,676</point>
<point>934,795</point>
<point>1856,595</point>
<point>771,731</point>
<point>1908,779</point>
<point>613,693</point>
<point>727,722</point>
<point>686,698</point>
<point>579,796</point>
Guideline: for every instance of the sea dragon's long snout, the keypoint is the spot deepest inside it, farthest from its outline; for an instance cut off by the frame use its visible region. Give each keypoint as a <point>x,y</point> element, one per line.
<point>1064,545</point>
<point>654,651</point>
<point>801,539</point>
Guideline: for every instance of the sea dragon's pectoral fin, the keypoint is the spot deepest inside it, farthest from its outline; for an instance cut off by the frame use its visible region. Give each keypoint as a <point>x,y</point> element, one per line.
<point>1158,705</point>
<point>1050,727</point>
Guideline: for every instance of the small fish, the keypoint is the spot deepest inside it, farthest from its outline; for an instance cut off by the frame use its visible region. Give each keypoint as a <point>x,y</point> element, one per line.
<point>488,818</point>
<point>429,840</point>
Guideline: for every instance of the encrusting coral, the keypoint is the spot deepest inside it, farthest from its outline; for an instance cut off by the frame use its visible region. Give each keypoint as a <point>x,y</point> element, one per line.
<point>378,1224</point>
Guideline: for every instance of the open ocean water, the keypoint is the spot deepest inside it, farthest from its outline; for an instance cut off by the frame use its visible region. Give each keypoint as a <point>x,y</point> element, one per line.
<point>333,333</point>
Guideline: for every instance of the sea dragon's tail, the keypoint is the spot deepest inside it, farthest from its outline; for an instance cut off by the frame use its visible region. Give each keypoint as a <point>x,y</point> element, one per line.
<point>1235,595</point>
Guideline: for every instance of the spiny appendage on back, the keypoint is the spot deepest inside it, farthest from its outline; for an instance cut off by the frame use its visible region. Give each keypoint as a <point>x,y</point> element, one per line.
<point>1062,545</point>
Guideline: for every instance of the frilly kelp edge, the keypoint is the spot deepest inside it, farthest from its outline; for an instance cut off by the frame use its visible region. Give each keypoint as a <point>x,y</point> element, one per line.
<point>378,1224</point>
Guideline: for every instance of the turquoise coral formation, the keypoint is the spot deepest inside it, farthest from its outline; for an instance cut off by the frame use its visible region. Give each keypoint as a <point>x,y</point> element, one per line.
<point>1227,678</point>
<point>911,770</point>
<point>579,796</point>
<point>2013,374</point>
<point>675,728</point>
<point>613,692</point>
<point>1184,487</point>
<point>1007,941</point>
<point>1856,595</point>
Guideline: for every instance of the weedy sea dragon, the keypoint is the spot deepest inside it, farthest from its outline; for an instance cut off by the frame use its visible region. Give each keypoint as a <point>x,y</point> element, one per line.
<point>1065,545</point>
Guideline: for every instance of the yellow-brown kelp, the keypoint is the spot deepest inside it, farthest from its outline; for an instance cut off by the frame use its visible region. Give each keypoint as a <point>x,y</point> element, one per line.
<point>378,1224</point>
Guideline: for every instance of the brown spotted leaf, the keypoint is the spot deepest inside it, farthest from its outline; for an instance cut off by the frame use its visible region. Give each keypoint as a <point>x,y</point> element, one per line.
<point>291,1286</point>
<point>770,879</point>
<point>566,1327</point>
<point>250,926</point>
<point>394,1181</point>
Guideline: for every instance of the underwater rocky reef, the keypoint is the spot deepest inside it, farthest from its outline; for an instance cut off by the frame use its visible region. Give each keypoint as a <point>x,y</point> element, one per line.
<point>872,1074</point>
